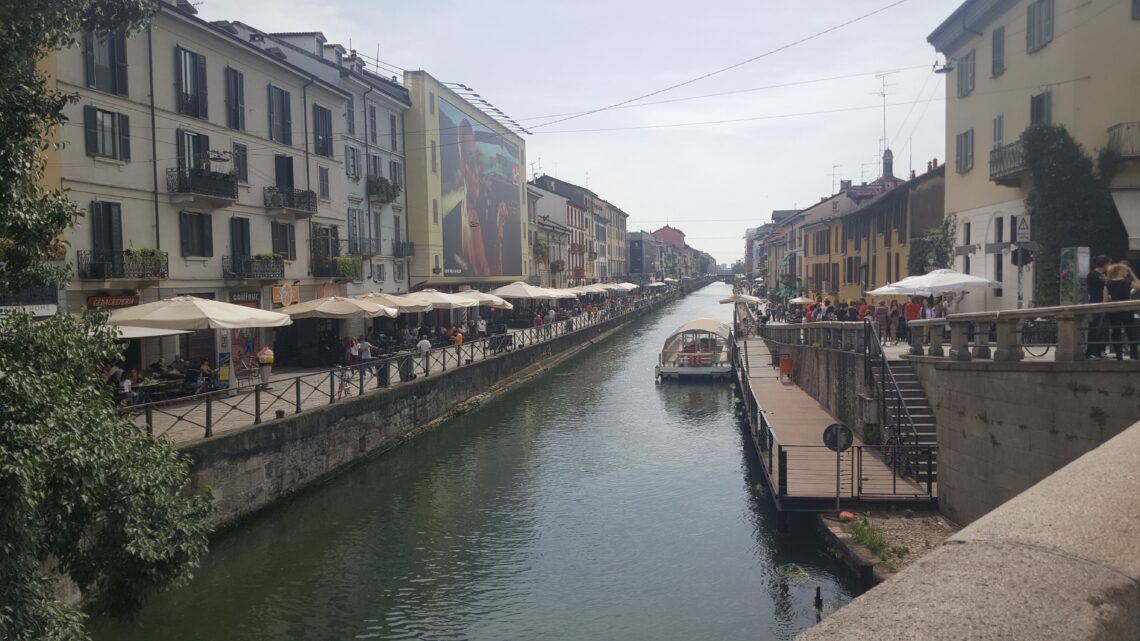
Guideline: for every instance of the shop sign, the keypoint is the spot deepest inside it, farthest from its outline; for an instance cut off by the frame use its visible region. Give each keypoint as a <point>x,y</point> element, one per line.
<point>286,294</point>
<point>247,299</point>
<point>325,290</point>
<point>38,311</point>
<point>124,300</point>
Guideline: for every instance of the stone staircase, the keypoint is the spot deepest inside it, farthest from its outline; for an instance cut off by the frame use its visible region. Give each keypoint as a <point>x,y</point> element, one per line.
<point>917,405</point>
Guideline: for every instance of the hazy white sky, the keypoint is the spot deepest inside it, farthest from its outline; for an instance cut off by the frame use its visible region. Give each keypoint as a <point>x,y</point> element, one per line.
<point>535,59</point>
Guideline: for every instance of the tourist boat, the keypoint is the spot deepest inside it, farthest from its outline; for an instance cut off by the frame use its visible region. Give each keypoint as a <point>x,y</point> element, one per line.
<point>698,349</point>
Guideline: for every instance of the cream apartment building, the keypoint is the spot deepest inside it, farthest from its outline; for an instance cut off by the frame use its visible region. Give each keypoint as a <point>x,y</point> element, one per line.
<point>207,165</point>
<point>1015,62</point>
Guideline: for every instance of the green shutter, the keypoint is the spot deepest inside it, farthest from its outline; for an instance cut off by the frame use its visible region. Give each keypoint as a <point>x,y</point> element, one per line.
<point>118,44</point>
<point>124,137</point>
<point>91,132</point>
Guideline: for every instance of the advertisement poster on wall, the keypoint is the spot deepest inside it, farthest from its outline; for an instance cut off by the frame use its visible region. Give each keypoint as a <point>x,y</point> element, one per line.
<point>480,175</point>
<point>244,342</point>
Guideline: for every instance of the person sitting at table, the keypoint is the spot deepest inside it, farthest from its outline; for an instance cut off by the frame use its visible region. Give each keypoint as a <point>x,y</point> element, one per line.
<point>206,373</point>
<point>125,391</point>
<point>178,364</point>
<point>158,366</point>
<point>172,373</point>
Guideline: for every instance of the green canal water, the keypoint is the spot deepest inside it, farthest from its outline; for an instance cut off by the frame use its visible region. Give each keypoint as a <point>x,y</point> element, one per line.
<point>591,504</point>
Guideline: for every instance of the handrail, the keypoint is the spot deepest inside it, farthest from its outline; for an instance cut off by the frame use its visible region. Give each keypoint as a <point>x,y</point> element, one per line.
<point>896,393</point>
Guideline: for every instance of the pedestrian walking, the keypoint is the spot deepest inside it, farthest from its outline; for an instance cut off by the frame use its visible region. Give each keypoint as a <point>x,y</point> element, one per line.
<point>425,353</point>
<point>1122,325</point>
<point>1097,337</point>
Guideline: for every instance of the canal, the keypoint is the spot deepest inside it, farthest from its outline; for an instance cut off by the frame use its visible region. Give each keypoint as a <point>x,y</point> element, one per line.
<point>588,504</point>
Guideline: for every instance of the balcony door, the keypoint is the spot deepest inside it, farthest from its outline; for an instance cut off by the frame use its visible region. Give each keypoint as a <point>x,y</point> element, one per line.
<point>239,238</point>
<point>283,172</point>
<point>193,150</point>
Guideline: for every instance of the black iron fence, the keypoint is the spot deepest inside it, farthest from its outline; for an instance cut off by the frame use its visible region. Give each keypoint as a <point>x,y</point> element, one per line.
<point>202,182</point>
<point>253,267</point>
<point>295,199</point>
<point>403,249</point>
<point>1007,161</point>
<point>129,264</point>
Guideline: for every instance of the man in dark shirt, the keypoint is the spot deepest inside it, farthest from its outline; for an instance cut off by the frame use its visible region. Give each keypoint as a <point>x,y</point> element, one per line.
<point>1094,283</point>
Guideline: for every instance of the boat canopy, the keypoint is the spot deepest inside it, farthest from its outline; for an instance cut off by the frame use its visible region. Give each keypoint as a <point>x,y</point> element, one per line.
<point>704,326</point>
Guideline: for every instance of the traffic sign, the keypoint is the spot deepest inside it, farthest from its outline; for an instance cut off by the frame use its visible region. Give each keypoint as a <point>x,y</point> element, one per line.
<point>838,437</point>
<point>1024,227</point>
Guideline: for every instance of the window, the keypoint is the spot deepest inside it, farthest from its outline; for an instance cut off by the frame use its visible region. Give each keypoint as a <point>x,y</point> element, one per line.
<point>350,116</point>
<point>999,275</point>
<point>380,276</point>
<point>356,228</point>
<point>323,183</point>
<point>352,162</point>
<point>435,211</point>
<point>1041,108</point>
<point>375,167</point>
<point>999,131</point>
<point>322,131</point>
<point>392,131</point>
<point>193,150</point>
<point>966,74</point>
<point>191,83</point>
<point>997,65</point>
<point>284,241</point>
<point>431,103</point>
<point>398,272</point>
<point>396,171</point>
<point>964,160</point>
<point>965,264</point>
<point>105,62</point>
<point>280,116</point>
<point>239,237</point>
<point>106,229</point>
<point>241,162</point>
<point>1039,25</point>
<point>372,124</point>
<point>235,99</point>
<point>999,229</point>
<point>107,133</point>
<point>1136,9</point>
<point>197,233</point>
<point>434,165</point>
<point>965,233</point>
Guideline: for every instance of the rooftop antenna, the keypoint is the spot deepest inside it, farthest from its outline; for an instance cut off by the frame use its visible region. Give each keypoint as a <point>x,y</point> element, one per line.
<point>863,170</point>
<point>376,62</point>
<point>833,174</point>
<point>882,93</point>
<point>587,179</point>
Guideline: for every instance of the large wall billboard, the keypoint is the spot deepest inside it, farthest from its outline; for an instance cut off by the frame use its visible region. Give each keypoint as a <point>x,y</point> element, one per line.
<point>481,174</point>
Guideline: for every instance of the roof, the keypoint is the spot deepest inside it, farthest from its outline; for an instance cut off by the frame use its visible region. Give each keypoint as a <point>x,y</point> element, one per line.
<point>704,325</point>
<point>967,22</point>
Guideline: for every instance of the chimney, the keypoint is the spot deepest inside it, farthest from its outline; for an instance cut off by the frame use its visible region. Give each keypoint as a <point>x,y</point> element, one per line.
<point>844,185</point>
<point>934,164</point>
<point>888,164</point>
<point>912,174</point>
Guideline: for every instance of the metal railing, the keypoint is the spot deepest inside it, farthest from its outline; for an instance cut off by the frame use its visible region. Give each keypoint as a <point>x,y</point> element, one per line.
<point>202,182</point>
<point>363,246</point>
<point>298,200</point>
<point>252,267</point>
<point>403,249</point>
<point>894,414</point>
<point>122,264</point>
<point>1007,162</point>
<point>1067,331</point>
<point>1124,139</point>
<point>252,402</point>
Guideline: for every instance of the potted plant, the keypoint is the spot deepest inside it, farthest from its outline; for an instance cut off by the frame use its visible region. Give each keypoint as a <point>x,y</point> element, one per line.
<point>267,256</point>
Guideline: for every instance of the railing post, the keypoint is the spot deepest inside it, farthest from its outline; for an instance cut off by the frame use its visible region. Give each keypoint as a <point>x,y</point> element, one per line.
<point>149,419</point>
<point>930,471</point>
<point>959,341</point>
<point>982,341</point>
<point>936,340</point>
<point>1008,347</point>
<point>1070,347</point>
<point>917,334</point>
<point>209,416</point>
<point>332,388</point>
<point>256,404</point>
<point>297,395</point>
<point>360,377</point>
<point>782,458</point>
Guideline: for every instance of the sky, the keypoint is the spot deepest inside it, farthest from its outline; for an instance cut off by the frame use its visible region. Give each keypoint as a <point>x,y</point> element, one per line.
<point>802,118</point>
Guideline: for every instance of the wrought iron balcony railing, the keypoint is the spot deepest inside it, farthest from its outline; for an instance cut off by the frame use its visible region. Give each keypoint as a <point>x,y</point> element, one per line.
<point>363,246</point>
<point>30,296</point>
<point>1007,164</point>
<point>1124,139</point>
<point>129,264</point>
<point>253,267</point>
<point>201,182</point>
<point>297,200</point>
<point>403,249</point>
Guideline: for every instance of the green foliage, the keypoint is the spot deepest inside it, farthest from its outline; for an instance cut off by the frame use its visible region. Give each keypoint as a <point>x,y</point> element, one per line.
<point>1070,204</point>
<point>936,248</point>
<point>382,189</point>
<point>348,266</point>
<point>85,494</point>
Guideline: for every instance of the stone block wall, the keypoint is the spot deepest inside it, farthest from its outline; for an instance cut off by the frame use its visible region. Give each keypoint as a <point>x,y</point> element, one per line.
<point>834,378</point>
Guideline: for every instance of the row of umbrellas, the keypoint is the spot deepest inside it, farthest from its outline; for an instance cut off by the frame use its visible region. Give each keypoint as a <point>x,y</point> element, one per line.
<point>935,283</point>
<point>187,313</point>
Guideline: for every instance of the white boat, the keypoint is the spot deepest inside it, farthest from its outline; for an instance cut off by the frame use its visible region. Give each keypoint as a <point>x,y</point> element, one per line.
<point>698,349</point>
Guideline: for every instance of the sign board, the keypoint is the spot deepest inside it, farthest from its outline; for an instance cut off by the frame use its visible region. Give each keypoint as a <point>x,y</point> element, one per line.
<point>286,294</point>
<point>125,300</point>
<point>838,437</point>
<point>246,299</point>
<point>325,290</point>
<point>1024,227</point>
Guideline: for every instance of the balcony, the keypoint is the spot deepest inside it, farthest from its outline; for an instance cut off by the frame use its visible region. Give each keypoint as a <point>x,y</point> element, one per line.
<point>202,187</point>
<point>253,267</point>
<point>1124,139</point>
<point>403,249</point>
<point>128,264</point>
<point>291,203</point>
<point>1007,165</point>
<point>363,246</point>
<point>330,259</point>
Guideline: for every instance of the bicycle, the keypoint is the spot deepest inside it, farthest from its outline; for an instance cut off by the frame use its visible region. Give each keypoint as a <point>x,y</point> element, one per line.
<point>1038,336</point>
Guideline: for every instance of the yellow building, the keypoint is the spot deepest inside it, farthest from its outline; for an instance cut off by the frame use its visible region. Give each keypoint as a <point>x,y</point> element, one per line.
<point>1015,62</point>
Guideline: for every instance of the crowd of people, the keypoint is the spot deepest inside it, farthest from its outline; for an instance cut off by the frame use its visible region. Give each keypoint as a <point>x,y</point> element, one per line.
<point>890,316</point>
<point>1109,282</point>
<point>128,386</point>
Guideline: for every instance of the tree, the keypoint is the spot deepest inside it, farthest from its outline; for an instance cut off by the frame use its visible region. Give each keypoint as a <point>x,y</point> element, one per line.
<point>84,493</point>
<point>1070,204</point>
<point>935,249</point>
<point>738,267</point>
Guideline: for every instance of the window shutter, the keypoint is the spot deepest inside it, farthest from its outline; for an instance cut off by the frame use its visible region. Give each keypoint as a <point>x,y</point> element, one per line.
<point>90,130</point>
<point>1047,21</point>
<point>114,215</point>
<point>185,232</point>
<point>180,144</point>
<point>286,119</point>
<point>119,43</point>
<point>202,151</point>
<point>271,111</point>
<point>203,102</point>
<point>239,81</point>
<point>178,100</point>
<point>98,226</point>
<point>89,58</point>
<point>207,221</point>
<point>318,131</point>
<point>124,137</point>
<point>392,124</point>
<point>291,232</point>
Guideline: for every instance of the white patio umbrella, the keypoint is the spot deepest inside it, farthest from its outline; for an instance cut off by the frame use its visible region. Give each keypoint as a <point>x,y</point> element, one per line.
<point>192,313</point>
<point>521,290</point>
<point>146,332</point>
<point>340,307</point>
<point>801,300</point>
<point>656,285</point>
<point>560,293</point>
<point>629,287</point>
<point>442,300</point>
<point>486,300</point>
<point>671,280</point>
<point>741,298</point>
<point>942,281</point>
<point>403,304</point>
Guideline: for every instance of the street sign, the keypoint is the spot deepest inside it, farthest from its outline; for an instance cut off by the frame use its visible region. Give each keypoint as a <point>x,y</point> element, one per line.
<point>1024,226</point>
<point>838,437</point>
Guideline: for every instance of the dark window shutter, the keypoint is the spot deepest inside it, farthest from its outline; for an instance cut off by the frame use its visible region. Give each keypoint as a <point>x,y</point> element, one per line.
<point>318,132</point>
<point>286,119</point>
<point>272,112</point>
<point>179,105</point>
<point>291,231</point>
<point>185,232</point>
<point>119,43</point>
<point>89,58</point>
<point>239,79</point>
<point>275,236</point>
<point>207,221</point>
<point>124,137</point>
<point>114,215</point>
<point>99,227</point>
<point>180,143</point>
<point>89,128</point>
<point>202,94</point>
<point>392,124</point>
<point>239,236</point>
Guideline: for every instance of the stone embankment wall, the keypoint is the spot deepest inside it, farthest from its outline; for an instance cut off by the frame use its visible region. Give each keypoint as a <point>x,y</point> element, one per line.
<point>1002,427</point>
<point>251,468</point>
<point>1059,561</point>
<point>836,379</point>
